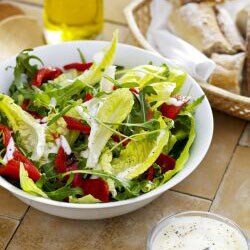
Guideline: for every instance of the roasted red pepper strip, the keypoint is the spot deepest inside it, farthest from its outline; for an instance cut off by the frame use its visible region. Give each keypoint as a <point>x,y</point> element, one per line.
<point>170,110</point>
<point>96,187</point>
<point>88,97</point>
<point>78,66</point>
<point>25,107</point>
<point>11,169</point>
<point>77,180</point>
<point>150,114</point>
<point>61,161</point>
<point>165,162</point>
<point>74,124</point>
<point>17,155</point>
<point>150,174</point>
<point>33,172</point>
<point>125,143</point>
<point>45,74</point>
<point>117,139</point>
<point>6,134</point>
<point>26,104</point>
<point>134,91</point>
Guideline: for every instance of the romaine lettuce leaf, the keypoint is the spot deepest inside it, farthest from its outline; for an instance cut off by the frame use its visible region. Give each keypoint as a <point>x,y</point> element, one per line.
<point>163,92</point>
<point>178,77</point>
<point>87,199</point>
<point>105,165</point>
<point>105,84</point>
<point>171,142</point>
<point>145,74</point>
<point>139,155</point>
<point>28,185</point>
<point>94,74</point>
<point>114,109</point>
<point>32,134</point>
<point>151,74</point>
<point>59,127</point>
<point>130,76</point>
<point>182,159</point>
<point>66,78</point>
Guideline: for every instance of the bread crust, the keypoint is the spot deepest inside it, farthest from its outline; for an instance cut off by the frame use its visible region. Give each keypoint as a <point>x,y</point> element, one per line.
<point>229,29</point>
<point>197,24</point>
<point>228,72</point>
<point>248,55</point>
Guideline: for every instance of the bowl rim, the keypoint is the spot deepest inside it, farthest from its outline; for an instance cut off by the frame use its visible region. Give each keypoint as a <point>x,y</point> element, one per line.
<point>150,195</point>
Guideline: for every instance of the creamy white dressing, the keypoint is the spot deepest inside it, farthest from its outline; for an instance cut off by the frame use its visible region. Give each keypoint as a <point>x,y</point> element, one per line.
<point>58,142</point>
<point>10,149</point>
<point>65,145</point>
<point>174,101</point>
<point>50,148</point>
<point>198,233</point>
<point>140,73</point>
<point>44,119</point>
<point>105,84</point>
<point>53,102</point>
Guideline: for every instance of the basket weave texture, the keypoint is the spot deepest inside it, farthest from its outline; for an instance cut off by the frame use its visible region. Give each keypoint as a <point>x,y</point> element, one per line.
<point>138,17</point>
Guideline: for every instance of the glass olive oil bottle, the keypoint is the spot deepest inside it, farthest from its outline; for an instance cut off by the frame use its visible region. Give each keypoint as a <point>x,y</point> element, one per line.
<point>66,20</point>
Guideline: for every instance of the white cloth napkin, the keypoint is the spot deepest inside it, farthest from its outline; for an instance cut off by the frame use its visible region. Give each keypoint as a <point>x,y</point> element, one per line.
<point>172,47</point>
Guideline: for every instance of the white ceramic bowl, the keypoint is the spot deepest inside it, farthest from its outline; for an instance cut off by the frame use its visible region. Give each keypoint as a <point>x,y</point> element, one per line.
<point>128,56</point>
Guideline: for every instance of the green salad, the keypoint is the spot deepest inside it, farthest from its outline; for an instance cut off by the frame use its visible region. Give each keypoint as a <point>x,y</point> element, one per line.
<point>93,131</point>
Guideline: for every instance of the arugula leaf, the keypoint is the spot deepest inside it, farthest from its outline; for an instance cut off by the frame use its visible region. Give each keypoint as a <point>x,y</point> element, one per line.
<point>49,168</point>
<point>143,103</point>
<point>66,191</point>
<point>81,55</point>
<point>153,124</point>
<point>112,80</point>
<point>63,112</point>
<point>23,67</point>
<point>190,107</point>
<point>62,95</point>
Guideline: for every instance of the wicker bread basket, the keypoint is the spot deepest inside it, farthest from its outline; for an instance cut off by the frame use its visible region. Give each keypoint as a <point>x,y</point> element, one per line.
<point>138,17</point>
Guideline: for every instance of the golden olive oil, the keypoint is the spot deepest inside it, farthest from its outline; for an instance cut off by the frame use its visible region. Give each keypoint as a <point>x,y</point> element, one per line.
<point>66,20</point>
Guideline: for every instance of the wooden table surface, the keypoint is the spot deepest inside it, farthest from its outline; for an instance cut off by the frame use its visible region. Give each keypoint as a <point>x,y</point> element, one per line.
<point>221,184</point>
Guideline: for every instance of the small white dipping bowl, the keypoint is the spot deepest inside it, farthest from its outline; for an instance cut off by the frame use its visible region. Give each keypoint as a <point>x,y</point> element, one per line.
<point>128,56</point>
